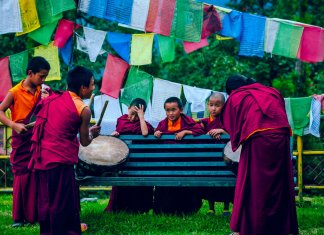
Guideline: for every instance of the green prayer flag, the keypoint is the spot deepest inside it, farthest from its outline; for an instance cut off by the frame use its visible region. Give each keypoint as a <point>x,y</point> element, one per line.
<point>300,108</point>
<point>43,34</point>
<point>44,12</point>
<point>167,48</point>
<point>58,6</point>
<point>18,65</point>
<point>187,20</point>
<point>139,84</point>
<point>287,40</point>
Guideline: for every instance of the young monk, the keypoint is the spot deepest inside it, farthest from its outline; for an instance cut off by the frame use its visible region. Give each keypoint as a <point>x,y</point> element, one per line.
<point>22,100</point>
<point>212,127</point>
<point>132,199</point>
<point>176,200</point>
<point>55,147</point>
<point>264,201</point>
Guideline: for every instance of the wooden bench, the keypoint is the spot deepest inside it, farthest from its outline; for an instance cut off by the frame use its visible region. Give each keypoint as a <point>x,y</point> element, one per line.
<point>192,162</point>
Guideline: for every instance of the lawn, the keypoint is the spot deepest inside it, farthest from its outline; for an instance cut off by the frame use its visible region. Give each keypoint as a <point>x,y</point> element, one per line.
<point>311,220</point>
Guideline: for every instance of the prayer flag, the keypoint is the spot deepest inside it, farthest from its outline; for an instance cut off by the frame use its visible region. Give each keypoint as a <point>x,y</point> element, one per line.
<point>252,37</point>
<point>113,76</point>
<point>50,53</point>
<point>160,16</point>
<point>18,65</point>
<point>272,27</point>
<point>119,11</point>
<point>10,17</point>
<point>166,48</point>
<point>43,35</point>
<point>120,42</point>
<point>211,22</point>
<point>192,46</point>
<point>94,40</point>
<point>44,12</point>
<point>138,85</point>
<point>58,6</point>
<point>232,25</point>
<point>288,39</point>
<point>29,16</point>
<point>187,21</point>
<point>64,31</point>
<point>93,8</point>
<point>311,47</point>
<point>66,51</point>
<point>5,80</point>
<point>139,15</point>
<point>141,49</point>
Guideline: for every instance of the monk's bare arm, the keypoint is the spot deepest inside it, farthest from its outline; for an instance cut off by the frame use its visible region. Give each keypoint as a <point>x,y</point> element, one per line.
<point>7,102</point>
<point>86,134</point>
<point>140,114</point>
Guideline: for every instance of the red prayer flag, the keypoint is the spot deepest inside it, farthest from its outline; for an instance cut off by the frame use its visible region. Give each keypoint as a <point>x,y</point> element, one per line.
<point>311,48</point>
<point>192,46</point>
<point>211,21</point>
<point>113,76</point>
<point>64,31</point>
<point>160,16</point>
<point>5,79</point>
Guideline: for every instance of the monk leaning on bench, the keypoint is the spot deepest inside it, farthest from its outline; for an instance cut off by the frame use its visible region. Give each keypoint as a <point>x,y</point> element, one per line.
<point>55,147</point>
<point>22,100</point>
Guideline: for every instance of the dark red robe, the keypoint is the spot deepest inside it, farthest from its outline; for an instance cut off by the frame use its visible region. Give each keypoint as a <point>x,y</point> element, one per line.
<point>178,200</point>
<point>264,203</point>
<point>124,198</point>
<point>24,201</point>
<point>219,194</point>
<point>54,152</point>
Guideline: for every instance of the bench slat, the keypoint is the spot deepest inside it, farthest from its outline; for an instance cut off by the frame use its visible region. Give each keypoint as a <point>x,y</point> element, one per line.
<point>175,146</point>
<point>175,164</point>
<point>179,155</point>
<point>170,137</point>
<point>174,173</point>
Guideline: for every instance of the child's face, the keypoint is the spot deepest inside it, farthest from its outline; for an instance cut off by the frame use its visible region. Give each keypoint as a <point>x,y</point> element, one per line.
<point>39,77</point>
<point>87,91</point>
<point>132,114</point>
<point>215,106</point>
<point>172,111</point>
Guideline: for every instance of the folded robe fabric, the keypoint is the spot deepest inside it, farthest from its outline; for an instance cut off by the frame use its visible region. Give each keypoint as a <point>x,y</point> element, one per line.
<point>252,37</point>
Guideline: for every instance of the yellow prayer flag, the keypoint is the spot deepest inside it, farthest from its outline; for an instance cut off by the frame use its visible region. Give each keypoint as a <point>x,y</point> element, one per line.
<point>141,49</point>
<point>29,16</point>
<point>50,53</point>
<point>221,38</point>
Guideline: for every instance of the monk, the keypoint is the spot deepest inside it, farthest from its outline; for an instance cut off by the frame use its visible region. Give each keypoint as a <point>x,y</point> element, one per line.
<point>213,127</point>
<point>254,116</point>
<point>55,147</point>
<point>132,199</point>
<point>176,200</point>
<point>22,100</point>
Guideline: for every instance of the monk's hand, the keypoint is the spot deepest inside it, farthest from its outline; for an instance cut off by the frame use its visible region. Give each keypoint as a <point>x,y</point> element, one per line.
<point>158,134</point>
<point>216,133</point>
<point>180,135</point>
<point>95,131</point>
<point>19,127</point>
<point>140,111</point>
<point>44,94</point>
<point>115,133</point>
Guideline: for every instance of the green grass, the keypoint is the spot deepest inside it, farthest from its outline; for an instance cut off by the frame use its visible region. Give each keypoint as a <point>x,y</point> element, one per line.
<point>311,220</point>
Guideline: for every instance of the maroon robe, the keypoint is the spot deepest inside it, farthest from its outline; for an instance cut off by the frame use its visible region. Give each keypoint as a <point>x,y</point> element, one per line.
<point>264,203</point>
<point>55,151</point>
<point>219,194</point>
<point>178,200</point>
<point>130,199</point>
<point>24,202</point>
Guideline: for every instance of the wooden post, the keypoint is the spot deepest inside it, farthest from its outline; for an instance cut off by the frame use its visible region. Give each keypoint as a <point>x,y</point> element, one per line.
<point>300,167</point>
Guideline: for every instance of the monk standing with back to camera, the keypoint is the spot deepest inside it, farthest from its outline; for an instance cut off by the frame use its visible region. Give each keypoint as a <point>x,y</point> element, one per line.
<point>254,116</point>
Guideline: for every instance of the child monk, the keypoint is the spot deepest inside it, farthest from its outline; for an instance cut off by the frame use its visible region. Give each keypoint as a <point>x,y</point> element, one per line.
<point>132,199</point>
<point>212,127</point>
<point>59,120</point>
<point>22,100</point>
<point>176,200</point>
